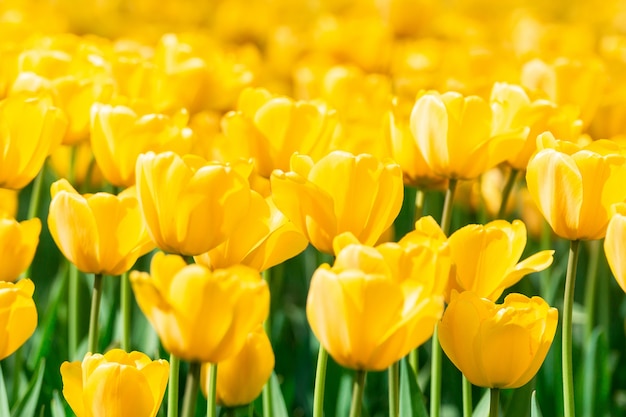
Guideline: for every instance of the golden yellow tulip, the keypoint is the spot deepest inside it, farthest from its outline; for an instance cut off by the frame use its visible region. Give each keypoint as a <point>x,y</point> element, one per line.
<point>340,193</point>
<point>18,243</point>
<point>363,311</point>
<point>8,202</point>
<point>99,233</point>
<point>30,129</point>
<point>485,258</point>
<point>190,205</point>
<point>116,384</point>
<point>240,378</point>
<point>201,315</point>
<point>18,315</point>
<point>497,345</point>
<point>615,244</point>
<point>574,187</point>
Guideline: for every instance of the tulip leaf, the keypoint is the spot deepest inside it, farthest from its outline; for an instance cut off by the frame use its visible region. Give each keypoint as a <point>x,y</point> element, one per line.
<point>482,408</point>
<point>411,397</point>
<point>279,409</point>
<point>27,405</point>
<point>535,411</point>
<point>56,405</point>
<point>4,400</point>
<point>597,375</point>
<point>519,405</point>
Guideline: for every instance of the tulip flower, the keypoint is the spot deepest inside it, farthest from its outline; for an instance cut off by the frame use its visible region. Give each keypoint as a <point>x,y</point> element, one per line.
<point>574,187</point>
<point>99,233</point>
<point>241,377</point>
<point>615,244</point>
<point>201,315</point>
<point>190,205</point>
<point>116,384</point>
<point>364,202</point>
<point>18,315</point>
<point>485,258</point>
<point>8,202</point>
<point>18,243</point>
<point>497,345</point>
<point>30,129</point>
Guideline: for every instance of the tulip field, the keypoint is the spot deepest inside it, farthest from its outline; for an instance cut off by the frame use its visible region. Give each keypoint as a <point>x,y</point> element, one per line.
<point>289,208</point>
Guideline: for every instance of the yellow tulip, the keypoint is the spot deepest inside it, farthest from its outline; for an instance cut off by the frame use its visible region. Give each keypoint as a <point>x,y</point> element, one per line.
<point>263,238</point>
<point>79,159</point>
<point>119,136</point>
<point>453,133</point>
<point>30,128</point>
<point>240,378</point>
<point>340,193</point>
<point>8,202</point>
<point>99,233</point>
<point>362,310</point>
<point>497,345</point>
<point>190,205</point>
<point>485,258</point>
<point>18,315</point>
<point>116,384</point>
<point>615,244</point>
<point>18,243</point>
<point>574,187</point>
<point>201,315</point>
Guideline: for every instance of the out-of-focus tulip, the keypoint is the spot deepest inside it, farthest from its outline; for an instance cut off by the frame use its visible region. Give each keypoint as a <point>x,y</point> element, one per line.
<point>240,378</point>
<point>8,202</point>
<point>574,187</point>
<point>190,205</point>
<point>85,172</point>
<point>615,244</point>
<point>454,135</point>
<point>18,243</point>
<point>18,315</point>
<point>30,128</point>
<point>364,202</point>
<point>485,258</point>
<point>497,345</point>
<point>263,238</point>
<point>99,233</point>
<point>365,311</point>
<point>201,315</point>
<point>119,136</point>
<point>116,384</point>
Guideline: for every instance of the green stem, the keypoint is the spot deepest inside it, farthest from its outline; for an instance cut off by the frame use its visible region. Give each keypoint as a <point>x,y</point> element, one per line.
<point>467,398</point>
<point>568,303</point>
<point>211,409</point>
<point>35,194</point>
<point>494,402</point>
<point>420,197</point>
<point>95,311</point>
<point>251,410</point>
<point>394,389</point>
<point>414,361</point>
<point>72,313</point>
<point>357,393</point>
<point>591,286</point>
<point>172,387</point>
<point>267,389</point>
<point>544,276</point>
<point>126,306</point>
<point>446,216</point>
<point>191,390</point>
<point>320,383</point>
<point>506,192</point>
<point>17,368</point>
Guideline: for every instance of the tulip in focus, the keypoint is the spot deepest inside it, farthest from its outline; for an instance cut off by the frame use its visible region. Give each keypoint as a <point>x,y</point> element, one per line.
<point>497,345</point>
<point>18,243</point>
<point>18,315</point>
<point>116,384</point>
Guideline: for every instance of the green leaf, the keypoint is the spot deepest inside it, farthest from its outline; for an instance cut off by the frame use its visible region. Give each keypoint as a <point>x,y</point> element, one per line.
<point>4,399</point>
<point>596,376</point>
<point>56,405</point>
<point>519,405</point>
<point>482,408</point>
<point>411,397</point>
<point>279,409</point>
<point>535,411</point>
<point>27,405</point>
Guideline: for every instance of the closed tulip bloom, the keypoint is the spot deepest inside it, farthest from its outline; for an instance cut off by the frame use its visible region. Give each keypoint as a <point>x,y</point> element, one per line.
<point>190,205</point>
<point>99,233</point>
<point>8,202</point>
<point>264,238</point>
<point>340,193</point>
<point>497,345</point>
<point>365,315</point>
<point>201,315</point>
<point>240,378</point>
<point>18,315</point>
<point>30,129</point>
<point>454,135</point>
<point>116,384</point>
<point>18,243</point>
<point>615,244</point>
<point>574,187</point>
<point>486,258</point>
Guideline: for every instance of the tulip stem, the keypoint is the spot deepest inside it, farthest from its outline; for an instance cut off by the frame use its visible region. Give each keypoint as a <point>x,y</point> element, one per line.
<point>357,393</point>
<point>494,402</point>
<point>191,390</point>
<point>506,192</point>
<point>568,303</point>
<point>172,387</point>
<point>126,305</point>
<point>394,391</point>
<point>420,196</point>
<point>446,216</point>
<point>590,287</point>
<point>211,409</point>
<point>267,325</point>
<point>467,398</point>
<point>72,310</point>
<point>35,195</point>
<point>320,383</point>
<point>96,296</point>
<point>414,361</point>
